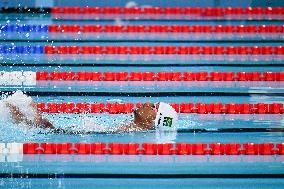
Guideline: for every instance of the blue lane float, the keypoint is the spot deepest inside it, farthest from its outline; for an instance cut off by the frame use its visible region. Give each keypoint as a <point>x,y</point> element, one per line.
<point>10,49</point>
<point>23,28</point>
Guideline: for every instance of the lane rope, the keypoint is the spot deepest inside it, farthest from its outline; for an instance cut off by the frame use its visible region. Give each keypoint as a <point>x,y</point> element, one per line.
<point>168,28</point>
<point>241,53</point>
<point>184,13</point>
<point>198,108</point>
<point>160,76</point>
<point>144,149</point>
<point>161,50</point>
<point>244,79</point>
<point>255,29</point>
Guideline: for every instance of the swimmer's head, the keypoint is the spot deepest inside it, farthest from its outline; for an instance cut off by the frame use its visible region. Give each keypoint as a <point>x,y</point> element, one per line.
<point>160,116</point>
<point>145,116</point>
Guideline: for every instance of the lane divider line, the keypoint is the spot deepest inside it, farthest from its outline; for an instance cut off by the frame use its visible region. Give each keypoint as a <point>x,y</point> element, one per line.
<point>160,76</point>
<point>242,53</point>
<point>254,29</point>
<point>146,148</point>
<point>177,13</point>
<point>198,108</point>
<point>163,50</point>
<point>17,78</point>
<point>168,29</point>
<point>212,78</point>
<point>156,13</point>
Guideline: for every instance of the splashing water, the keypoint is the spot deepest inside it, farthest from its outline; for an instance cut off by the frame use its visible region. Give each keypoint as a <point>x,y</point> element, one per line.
<point>19,100</point>
<point>9,129</point>
<point>93,123</point>
<point>72,122</point>
<point>130,4</point>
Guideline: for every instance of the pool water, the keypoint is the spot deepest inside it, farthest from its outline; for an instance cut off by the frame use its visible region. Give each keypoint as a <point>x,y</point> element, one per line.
<point>20,170</point>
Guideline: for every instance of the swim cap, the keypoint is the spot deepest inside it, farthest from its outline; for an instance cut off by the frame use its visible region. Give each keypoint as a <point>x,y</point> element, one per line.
<point>166,124</point>
<point>166,118</point>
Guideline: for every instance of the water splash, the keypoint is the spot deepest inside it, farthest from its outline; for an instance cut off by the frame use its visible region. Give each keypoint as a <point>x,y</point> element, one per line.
<point>130,4</point>
<point>82,123</point>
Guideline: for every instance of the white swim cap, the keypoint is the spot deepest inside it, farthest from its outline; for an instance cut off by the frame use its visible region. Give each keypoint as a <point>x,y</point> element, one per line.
<point>166,123</point>
<point>166,118</point>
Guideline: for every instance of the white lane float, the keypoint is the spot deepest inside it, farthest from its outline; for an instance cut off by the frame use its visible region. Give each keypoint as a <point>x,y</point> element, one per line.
<point>17,78</point>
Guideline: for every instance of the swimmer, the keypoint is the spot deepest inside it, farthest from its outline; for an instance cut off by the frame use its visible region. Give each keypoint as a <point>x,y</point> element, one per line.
<point>150,116</point>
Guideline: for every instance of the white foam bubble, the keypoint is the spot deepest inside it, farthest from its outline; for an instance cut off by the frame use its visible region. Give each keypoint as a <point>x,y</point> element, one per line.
<point>130,4</point>
<point>4,112</point>
<point>4,78</point>
<point>15,78</point>
<point>29,78</point>
<point>115,100</point>
<point>90,124</point>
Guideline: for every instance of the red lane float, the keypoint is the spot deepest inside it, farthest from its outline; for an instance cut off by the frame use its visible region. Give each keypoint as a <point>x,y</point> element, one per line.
<point>203,11</point>
<point>199,108</point>
<point>167,28</point>
<point>178,50</point>
<point>159,76</point>
<point>155,149</point>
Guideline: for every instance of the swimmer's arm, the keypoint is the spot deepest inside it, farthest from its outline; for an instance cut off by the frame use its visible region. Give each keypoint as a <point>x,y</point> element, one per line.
<point>18,117</point>
<point>42,122</point>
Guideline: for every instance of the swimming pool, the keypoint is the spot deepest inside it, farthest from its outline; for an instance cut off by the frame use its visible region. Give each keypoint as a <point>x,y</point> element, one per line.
<point>221,69</point>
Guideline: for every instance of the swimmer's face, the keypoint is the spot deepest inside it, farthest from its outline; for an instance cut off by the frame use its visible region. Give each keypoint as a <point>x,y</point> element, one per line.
<point>145,115</point>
